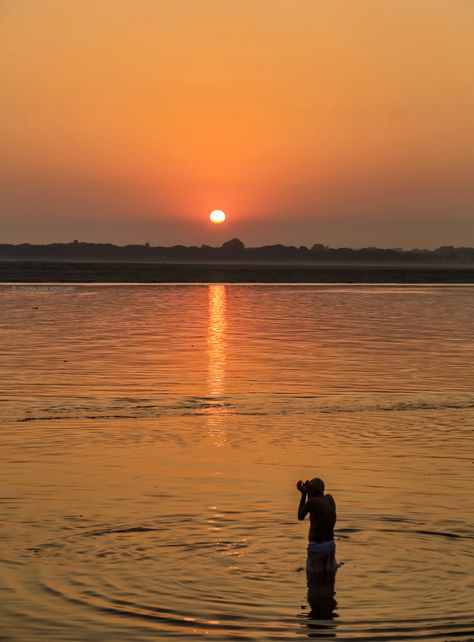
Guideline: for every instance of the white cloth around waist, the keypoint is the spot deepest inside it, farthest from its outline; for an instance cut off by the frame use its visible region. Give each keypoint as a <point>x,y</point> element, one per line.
<point>321,557</point>
<point>322,547</point>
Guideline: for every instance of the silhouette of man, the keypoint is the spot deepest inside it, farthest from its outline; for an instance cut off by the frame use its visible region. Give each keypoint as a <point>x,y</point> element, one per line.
<point>322,514</point>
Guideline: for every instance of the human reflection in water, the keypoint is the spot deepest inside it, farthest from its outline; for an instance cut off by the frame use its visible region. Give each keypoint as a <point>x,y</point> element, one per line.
<point>321,563</point>
<point>321,600</point>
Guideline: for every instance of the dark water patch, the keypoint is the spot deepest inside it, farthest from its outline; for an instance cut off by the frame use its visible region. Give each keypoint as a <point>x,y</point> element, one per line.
<point>243,408</point>
<point>39,549</point>
<point>112,531</point>
<point>427,532</point>
<point>76,417</point>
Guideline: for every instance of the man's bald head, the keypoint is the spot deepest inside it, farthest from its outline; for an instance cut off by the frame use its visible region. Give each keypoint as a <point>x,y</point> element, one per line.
<point>316,487</point>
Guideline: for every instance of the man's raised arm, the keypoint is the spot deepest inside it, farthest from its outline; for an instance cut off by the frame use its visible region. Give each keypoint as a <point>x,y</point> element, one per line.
<point>302,508</point>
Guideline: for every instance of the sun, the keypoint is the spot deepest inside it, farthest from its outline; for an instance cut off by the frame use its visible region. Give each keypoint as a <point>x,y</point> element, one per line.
<point>217,216</point>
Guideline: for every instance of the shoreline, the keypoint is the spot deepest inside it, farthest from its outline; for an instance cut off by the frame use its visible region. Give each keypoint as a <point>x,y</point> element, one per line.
<point>123,272</point>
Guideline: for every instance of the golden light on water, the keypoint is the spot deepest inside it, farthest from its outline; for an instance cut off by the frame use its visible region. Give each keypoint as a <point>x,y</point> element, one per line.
<point>216,339</point>
<point>216,346</point>
<point>217,216</point>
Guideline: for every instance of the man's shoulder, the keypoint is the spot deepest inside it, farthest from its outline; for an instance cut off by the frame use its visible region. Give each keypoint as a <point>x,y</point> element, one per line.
<point>330,499</point>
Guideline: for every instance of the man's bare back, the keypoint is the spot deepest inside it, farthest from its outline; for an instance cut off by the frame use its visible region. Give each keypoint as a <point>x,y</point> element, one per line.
<point>321,508</point>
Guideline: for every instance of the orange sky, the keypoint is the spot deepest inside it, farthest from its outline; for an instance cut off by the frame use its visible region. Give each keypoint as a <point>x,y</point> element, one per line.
<point>342,122</point>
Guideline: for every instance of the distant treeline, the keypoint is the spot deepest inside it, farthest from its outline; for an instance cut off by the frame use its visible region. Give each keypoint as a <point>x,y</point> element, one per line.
<point>233,250</point>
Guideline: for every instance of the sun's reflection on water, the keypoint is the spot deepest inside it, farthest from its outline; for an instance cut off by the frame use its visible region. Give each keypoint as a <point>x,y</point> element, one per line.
<point>216,330</point>
<point>216,348</point>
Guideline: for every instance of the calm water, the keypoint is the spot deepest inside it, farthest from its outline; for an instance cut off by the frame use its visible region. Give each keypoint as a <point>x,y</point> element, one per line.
<point>151,438</point>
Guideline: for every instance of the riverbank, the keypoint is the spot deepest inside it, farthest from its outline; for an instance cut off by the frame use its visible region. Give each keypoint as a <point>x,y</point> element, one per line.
<point>82,272</point>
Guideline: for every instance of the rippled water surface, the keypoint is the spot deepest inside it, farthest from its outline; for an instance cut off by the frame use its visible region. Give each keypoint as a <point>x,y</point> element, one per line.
<point>151,438</point>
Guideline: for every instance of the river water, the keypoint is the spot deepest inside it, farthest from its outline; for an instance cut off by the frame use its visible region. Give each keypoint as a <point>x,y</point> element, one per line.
<point>152,436</point>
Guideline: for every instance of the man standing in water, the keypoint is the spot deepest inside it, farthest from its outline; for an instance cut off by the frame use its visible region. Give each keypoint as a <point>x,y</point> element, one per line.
<point>321,560</point>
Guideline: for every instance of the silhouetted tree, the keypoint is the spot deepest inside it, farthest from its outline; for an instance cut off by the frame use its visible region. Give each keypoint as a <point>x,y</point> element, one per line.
<point>234,244</point>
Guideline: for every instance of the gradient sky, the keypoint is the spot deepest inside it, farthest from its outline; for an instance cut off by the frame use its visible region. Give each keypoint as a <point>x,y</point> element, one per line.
<point>346,122</point>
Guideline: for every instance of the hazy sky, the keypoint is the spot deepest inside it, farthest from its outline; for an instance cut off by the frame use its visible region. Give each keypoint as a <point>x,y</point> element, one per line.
<point>347,122</point>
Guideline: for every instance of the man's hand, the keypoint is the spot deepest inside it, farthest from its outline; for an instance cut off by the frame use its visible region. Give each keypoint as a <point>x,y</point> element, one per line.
<point>302,486</point>
<point>303,507</point>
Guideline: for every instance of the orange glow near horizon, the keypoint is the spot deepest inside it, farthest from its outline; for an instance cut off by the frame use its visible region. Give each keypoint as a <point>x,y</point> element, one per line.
<point>118,124</point>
